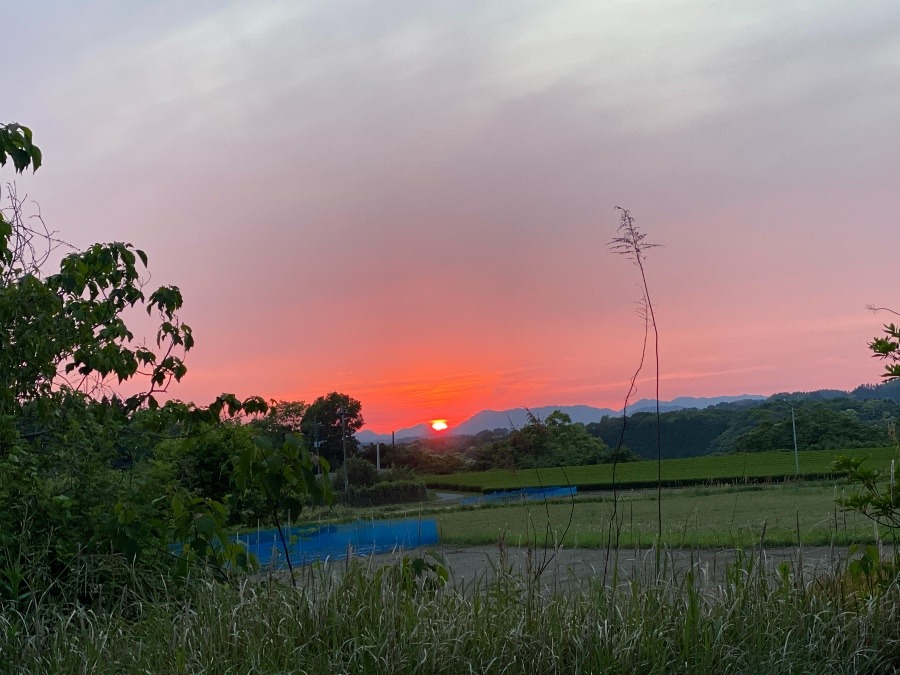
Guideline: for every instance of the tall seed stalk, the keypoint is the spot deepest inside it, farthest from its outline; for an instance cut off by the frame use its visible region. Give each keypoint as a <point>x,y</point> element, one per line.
<point>632,388</point>
<point>632,244</point>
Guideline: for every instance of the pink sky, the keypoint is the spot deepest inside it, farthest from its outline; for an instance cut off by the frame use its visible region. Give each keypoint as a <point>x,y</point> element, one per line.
<point>411,202</point>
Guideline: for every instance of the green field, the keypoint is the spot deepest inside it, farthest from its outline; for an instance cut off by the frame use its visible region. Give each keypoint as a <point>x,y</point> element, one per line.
<point>729,516</point>
<point>756,465</point>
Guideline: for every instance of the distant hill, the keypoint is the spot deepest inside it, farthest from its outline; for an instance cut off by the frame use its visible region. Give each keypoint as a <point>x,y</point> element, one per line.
<point>825,419</point>
<point>682,402</point>
<point>822,420</point>
<point>518,417</point>
<point>886,390</point>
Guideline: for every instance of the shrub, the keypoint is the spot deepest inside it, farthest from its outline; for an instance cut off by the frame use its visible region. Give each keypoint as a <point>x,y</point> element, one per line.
<point>387,492</point>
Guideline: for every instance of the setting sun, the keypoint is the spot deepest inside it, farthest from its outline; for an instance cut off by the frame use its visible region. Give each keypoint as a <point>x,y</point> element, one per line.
<point>439,425</point>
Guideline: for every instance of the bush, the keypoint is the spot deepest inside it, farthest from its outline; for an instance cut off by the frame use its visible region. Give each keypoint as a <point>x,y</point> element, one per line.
<point>387,492</point>
<point>360,474</point>
<point>399,473</point>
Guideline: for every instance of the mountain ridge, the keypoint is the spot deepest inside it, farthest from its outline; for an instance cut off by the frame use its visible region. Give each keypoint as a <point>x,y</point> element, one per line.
<point>518,417</point>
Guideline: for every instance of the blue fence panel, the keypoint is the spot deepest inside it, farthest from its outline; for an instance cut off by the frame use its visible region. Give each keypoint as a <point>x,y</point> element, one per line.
<point>555,492</point>
<point>309,544</point>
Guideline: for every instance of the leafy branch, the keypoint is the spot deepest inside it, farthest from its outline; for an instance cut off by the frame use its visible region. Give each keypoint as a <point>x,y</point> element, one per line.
<point>887,347</point>
<point>877,501</point>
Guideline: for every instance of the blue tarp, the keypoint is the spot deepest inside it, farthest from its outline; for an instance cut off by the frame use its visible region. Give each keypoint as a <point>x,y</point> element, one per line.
<point>523,494</point>
<point>309,544</point>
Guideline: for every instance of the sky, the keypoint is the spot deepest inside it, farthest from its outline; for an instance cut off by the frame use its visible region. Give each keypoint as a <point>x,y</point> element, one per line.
<point>411,202</point>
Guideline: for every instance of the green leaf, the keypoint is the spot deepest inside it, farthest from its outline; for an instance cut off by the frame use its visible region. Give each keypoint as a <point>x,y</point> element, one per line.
<point>36,158</point>
<point>177,506</point>
<point>206,526</point>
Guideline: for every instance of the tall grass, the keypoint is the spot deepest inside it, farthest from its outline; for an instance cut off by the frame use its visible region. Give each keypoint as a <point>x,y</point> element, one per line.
<point>357,618</point>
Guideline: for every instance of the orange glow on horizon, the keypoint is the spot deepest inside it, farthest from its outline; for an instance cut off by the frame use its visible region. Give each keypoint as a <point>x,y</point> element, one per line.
<point>439,425</point>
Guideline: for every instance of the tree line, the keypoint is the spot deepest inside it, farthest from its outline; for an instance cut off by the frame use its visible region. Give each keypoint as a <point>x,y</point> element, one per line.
<point>540,443</point>
<point>824,420</point>
<point>822,423</point>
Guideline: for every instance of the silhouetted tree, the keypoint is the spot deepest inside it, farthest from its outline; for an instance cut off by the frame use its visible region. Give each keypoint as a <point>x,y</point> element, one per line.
<point>324,422</point>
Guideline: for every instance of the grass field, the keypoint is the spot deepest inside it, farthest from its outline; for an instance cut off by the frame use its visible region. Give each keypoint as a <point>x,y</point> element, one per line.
<point>729,516</point>
<point>754,465</point>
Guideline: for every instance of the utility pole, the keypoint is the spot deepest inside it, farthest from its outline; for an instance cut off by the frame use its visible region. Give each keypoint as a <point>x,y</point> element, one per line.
<point>796,454</point>
<point>344,443</point>
<point>316,425</point>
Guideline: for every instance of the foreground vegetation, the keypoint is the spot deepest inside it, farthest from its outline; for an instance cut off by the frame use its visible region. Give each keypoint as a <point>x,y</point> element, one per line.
<point>735,467</point>
<point>404,619</point>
